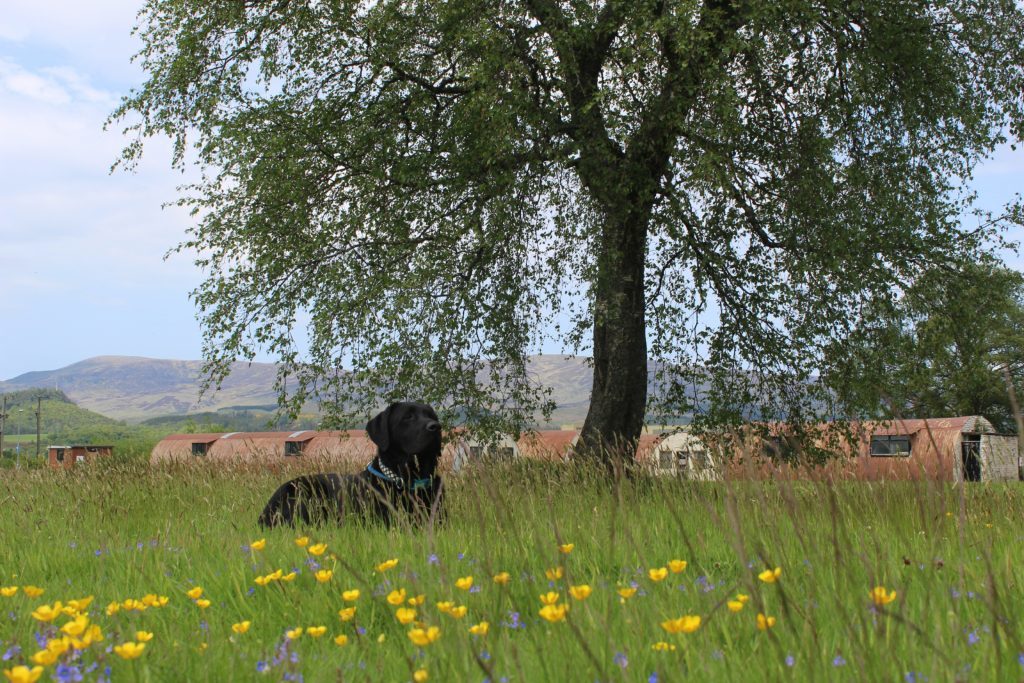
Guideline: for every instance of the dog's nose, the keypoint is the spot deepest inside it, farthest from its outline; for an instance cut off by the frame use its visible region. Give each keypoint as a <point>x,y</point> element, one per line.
<point>433,426</point>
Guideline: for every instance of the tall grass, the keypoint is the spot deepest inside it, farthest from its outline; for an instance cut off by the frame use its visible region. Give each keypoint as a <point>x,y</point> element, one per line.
<point>122,530</point>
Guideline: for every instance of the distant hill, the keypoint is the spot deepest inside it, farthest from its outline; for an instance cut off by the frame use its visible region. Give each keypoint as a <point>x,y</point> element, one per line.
<point>61,420</point>
<point>139,389</point>
<point>132,388</point>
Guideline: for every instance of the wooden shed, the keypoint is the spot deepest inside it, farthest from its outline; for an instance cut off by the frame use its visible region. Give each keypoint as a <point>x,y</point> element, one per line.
<point>348,447</point>
<point>954,449</point>
<point>66,457</point>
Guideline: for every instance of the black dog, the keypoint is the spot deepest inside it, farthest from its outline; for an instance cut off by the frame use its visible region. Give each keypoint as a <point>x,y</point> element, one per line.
<point>401,477</point>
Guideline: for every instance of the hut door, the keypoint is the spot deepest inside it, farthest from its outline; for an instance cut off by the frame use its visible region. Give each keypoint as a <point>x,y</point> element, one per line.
<point>971,457</point>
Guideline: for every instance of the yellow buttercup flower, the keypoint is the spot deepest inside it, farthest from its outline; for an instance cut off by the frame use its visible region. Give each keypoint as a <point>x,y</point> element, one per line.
<point>262,580</point>
<point>129,650</point>
<point>203,603</point>
<point>770,575</point>
<point>23,674</point>
<point>347,613</point>
<point>581,592</point>
<point>33,591</point>
<point>294,633</point>
<point>457,612</point>
<point>324,575</point>
<point>47,612</point>
<point>445,606</point>
<point>742,598</point>
<point>662,646</point>
<point>554,613</point>
<point>387,564</point>
<point>424,636</point>
<point>657,574</point>
<point>195,592</point>
<point>464,583</point>
<point>113,608</point>
<point>420,675</point>
<point>417,600</point>
<point>341,640</point>
<point>258,545</point>
<point>676,566</point>
<point>275,575</point>
<point>405,615</point>
<point>502,578</point>
<point>133,604</point>
<point>764,623</point>
<point>626,592</point>
<point>316,631</point>
<point>290,576</point>
<point>554,573</point>
<point>92,635</point>
<point>382,637</point>
<point>241,627</point>
<point>549,598</point>
<point>734,605</point>
<point>480,629</point>
<point>302,541</point>
<point>350,596</point>
<point>143,636</point>
<point>881,597</point>
<point>685,624</point>
<point>45,657</point>
<point>80,604</point>
<point>8,591</point>
<point>566,548</point>
<point>396,597</point>
<point>77,626</point>
<point>318,549</point>
<point>60,645</point>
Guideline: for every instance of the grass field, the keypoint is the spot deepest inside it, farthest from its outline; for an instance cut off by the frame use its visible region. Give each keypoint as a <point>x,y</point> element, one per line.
<point>121,532</point>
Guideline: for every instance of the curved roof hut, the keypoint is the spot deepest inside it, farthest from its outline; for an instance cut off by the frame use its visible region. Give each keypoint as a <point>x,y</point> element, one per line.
<point>351,447</point>
<point>956,449</point>
<point>552,445</point>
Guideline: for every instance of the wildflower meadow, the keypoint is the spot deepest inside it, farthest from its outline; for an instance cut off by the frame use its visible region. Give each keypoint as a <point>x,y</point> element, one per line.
<point>126,572</point>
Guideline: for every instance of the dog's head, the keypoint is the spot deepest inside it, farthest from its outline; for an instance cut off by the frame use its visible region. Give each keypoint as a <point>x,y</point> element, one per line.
<point>408,436</point>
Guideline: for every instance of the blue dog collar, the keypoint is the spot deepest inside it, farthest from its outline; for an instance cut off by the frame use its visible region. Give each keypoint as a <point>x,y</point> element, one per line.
<point>396,480</point>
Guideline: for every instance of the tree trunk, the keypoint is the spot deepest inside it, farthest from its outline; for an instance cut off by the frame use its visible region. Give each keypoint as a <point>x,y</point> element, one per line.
<point>619,395</point>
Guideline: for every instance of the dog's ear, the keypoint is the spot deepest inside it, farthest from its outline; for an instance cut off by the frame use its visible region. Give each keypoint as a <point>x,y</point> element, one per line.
<point>379,429</point>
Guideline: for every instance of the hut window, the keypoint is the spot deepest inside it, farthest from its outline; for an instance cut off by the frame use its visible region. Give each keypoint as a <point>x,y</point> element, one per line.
<point>79,458</point>
<point>890,446</point>
<point>665,459</point>
<point>200,448</point>
<point>700,460</point>
<point>293,448</point>
<point>60,454</point>
<point>502,453</point>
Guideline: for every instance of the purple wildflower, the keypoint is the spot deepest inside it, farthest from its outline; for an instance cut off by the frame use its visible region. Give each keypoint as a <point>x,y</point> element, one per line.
<point>838,661</point>
<point>653,678</point>
<point>68,674</point>
<point>621,660</point>
<point>432,559</point>
<point>12,652</point>
<point>790,660</point>
<point>262,666</point>
<point>973,638</point>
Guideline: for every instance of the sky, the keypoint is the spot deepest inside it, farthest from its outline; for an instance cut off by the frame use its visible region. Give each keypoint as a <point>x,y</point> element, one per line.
<point>82,268</point>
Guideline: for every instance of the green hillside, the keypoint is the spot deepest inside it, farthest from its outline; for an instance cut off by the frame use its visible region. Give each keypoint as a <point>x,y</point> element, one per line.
<point>63,422</point>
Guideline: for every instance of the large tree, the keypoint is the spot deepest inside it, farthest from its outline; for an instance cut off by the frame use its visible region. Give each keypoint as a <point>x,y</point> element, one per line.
<point>434,189</point>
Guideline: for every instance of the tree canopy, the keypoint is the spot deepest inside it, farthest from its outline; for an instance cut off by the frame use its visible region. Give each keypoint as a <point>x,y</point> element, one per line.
<point>434,189</point>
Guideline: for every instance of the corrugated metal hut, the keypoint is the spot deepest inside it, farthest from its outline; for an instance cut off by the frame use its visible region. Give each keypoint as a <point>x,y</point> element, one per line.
<point>462,450</point>
<point>954,449</point>
<point>553,445</point>
<point>685,455</point>
<point>348,447</point>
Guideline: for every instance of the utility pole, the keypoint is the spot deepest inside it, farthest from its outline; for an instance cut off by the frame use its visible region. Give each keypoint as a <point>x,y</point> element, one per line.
<point>39,414</point>
<point>3,422</point>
